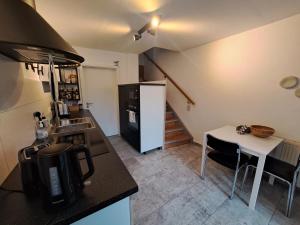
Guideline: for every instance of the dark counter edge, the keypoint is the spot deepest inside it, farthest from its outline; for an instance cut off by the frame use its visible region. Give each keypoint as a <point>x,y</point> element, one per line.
<point>102,205</point>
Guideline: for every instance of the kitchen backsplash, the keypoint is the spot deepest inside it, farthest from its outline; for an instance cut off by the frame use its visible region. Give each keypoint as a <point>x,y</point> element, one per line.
<point>21,94</point>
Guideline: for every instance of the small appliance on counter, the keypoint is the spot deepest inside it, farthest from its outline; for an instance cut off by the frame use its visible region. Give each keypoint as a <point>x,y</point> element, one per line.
<point>60,172</point>
<point>29,171</point>
<point>55,172</point>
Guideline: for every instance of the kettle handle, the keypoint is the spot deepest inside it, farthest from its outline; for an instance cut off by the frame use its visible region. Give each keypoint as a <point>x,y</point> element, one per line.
<point>89,162</point>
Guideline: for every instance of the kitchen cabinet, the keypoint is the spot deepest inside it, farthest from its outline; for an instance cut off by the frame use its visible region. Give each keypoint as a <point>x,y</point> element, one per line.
<point>115,214</point>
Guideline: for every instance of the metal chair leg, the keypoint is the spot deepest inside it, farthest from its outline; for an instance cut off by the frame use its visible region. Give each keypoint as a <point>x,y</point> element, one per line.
<point>245,177</point>
<point>237,169</point>
<point>234,183</point>
<point>291,197</point>
<point>288,201</point>
<point>204,167</point>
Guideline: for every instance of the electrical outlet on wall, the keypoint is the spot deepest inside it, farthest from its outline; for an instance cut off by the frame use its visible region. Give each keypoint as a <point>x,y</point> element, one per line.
<point>188,106</point>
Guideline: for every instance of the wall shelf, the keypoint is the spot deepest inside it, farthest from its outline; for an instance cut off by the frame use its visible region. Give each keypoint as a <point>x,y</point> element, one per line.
<point>68,86</point>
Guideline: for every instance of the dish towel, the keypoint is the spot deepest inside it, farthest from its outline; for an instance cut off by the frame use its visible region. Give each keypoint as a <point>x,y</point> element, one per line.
<point>132,116</point>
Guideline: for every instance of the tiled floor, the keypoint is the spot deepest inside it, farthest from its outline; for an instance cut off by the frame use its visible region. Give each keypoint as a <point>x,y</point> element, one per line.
<point>172,193</point>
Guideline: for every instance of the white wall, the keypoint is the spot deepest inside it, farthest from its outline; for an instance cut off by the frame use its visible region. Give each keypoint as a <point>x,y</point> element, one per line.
<point>127,72</point>
<point>128,63</point>
<point>21,94</point>
<point>151,73</point>
<point>236,80</point>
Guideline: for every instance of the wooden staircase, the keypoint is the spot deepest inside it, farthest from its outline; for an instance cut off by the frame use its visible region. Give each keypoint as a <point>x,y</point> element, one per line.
<point>175,132</point>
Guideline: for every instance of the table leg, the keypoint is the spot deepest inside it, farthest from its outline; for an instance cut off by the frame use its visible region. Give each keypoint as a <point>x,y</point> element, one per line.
<point>257,180</point>
<point>203,156</point>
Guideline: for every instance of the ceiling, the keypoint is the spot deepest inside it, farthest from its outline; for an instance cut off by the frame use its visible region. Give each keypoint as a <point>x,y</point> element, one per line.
<point>110,24</point>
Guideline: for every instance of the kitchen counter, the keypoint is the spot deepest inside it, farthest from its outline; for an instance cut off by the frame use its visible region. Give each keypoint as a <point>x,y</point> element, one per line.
<point>110,183</point>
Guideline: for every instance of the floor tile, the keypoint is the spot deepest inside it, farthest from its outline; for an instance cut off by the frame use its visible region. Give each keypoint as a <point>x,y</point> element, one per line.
<point>235,212</point>
<point>145,201</point>
<point>279,217</point>
<point>171,191</point>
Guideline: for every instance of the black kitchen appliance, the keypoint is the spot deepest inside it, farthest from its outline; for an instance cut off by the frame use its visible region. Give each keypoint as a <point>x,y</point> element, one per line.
<point>60,173</point>
<point>129,101</point>
<point>28,167</point>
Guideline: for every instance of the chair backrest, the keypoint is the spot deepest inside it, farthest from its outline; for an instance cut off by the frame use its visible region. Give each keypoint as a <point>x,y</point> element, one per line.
<point>288,151</point>
<point>222,146</point>
<point>298,164</point>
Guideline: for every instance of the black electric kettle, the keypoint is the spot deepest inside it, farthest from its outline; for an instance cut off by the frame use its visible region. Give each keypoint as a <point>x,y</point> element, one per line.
<point>60,173</point>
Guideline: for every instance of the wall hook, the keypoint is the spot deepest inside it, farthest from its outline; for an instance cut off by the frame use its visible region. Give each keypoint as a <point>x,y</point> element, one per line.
<point>116,63</point>
<point>40,70</point>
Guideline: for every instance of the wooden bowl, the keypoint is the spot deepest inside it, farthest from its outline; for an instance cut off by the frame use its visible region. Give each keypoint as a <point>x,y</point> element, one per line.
<point>262,131</point>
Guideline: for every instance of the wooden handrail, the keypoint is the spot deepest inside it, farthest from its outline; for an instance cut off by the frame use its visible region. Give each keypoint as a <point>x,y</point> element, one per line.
<point>170,79</point>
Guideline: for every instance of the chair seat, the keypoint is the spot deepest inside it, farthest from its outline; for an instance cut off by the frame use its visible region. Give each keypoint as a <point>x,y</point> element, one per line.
<point>277,167</point>
<point>228,160</point>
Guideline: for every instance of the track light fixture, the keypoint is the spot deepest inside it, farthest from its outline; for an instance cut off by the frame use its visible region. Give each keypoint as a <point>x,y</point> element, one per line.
<point>137,37</point>
<point>150,27</point>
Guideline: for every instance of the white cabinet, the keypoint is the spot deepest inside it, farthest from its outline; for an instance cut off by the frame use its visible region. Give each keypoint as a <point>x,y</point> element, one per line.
<point>152,111</point>
<point>115,214</point>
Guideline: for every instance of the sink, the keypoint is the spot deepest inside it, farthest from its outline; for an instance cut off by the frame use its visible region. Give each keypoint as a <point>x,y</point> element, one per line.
<point>69,126</point>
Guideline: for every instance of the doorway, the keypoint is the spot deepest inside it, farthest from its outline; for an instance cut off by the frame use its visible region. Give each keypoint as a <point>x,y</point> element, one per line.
<point>101,97</point>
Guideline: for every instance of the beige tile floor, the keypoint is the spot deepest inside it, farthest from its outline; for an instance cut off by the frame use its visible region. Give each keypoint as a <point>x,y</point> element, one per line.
<point>172,193</point>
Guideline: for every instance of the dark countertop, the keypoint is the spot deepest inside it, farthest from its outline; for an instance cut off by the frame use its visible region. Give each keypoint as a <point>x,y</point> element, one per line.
<point>110,183</point>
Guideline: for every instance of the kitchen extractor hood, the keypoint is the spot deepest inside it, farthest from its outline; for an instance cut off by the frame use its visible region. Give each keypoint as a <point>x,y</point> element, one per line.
<point>26,37</point>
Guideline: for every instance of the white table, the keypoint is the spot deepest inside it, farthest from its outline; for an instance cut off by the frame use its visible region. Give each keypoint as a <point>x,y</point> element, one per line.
<point>250,144</point>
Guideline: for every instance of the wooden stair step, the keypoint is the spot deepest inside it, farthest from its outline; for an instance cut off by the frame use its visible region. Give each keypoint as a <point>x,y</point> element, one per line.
<point>170,115</point>
<point>172,125</point>
<point>180,137</point>
<point>178,143</point>
<point>174,132</point>
<point>169,130</point>
<point>177,140</point>
<point>172,120</point>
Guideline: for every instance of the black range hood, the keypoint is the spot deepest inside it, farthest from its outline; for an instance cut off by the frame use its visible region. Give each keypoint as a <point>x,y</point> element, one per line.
<point>26,37</point>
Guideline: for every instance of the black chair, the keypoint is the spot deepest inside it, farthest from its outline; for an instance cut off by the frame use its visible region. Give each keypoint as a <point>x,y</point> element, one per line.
<point>282,171</point>
<point>227,154</point>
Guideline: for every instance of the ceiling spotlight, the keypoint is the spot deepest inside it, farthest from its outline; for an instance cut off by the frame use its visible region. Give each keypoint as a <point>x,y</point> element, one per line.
<point>150,27</point>
<point>155,21</point>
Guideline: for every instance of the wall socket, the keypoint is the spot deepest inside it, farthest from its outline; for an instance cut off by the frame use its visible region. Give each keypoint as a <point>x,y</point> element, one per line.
<point>188,106</point>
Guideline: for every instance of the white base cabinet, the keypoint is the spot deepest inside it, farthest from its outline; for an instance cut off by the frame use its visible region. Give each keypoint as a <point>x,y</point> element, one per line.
<point>115,214</point>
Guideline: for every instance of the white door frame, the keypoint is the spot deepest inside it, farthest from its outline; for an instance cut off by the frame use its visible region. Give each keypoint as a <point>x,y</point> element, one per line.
<point>83,85</point>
